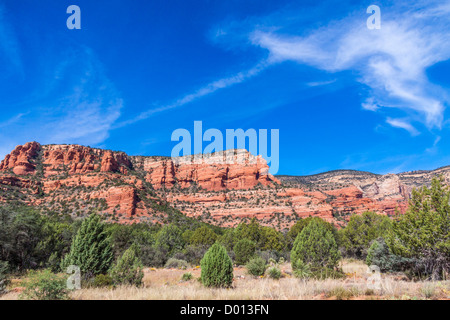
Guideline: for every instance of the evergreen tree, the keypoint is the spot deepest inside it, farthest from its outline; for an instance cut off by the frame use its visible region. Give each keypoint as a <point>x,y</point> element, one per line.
<point>244,250</point>
<point>91,248</point>
<point>423,232</point>
<point>316,246</point>
<point>361,230</point>
<point>128,269</point>
<point>170,238</point>
<point>217,268</point>
<point>203,236</point>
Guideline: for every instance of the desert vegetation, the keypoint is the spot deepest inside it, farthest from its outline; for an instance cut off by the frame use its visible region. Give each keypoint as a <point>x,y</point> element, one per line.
<point>183,260</point>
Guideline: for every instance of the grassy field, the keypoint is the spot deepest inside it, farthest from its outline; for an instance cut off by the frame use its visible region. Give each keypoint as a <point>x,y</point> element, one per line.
<point>166,284</point>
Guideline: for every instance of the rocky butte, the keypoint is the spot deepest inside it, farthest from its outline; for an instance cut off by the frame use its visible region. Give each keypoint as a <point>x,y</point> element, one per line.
<point>76,180</point>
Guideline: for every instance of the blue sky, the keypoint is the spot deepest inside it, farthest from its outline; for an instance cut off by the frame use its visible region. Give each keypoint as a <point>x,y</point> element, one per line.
<point>342,96</point>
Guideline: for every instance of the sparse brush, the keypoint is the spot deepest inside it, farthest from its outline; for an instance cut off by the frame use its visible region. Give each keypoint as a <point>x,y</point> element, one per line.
<point>428,290</point>
<point>173,263</point>
<point>343,294</point>
<point>274,273</point>
<point>187,276</point>
<point>256,267</point>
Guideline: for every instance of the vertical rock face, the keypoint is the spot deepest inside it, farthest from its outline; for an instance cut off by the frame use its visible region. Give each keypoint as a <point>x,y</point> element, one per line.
<point>220,171</point>
<point>20,160</point>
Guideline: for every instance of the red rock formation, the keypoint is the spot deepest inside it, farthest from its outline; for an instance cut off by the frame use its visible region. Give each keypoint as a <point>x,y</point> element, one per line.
<point>218,187</point>
<point>20,159</point>
<point>123,199</point>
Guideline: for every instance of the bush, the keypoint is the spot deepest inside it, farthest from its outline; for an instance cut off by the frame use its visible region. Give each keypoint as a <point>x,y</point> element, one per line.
<point>274,273</point>
<point>102,281</point>
<point>192,254</point>
<point>244,250</point>
<point>128,269</point>
<point>327,273</point>
<point>91,248</point>
<point>153,256</point>
<point>173,263</point>
<point>170,238</point>
<point>187,276</point>
<point>380,255</point>
<point>4,280</point>
<point>361,230</point>
<point>301,270</point>
<point>203,236</point>
<point>45,285</point>
<point>316,246</point>
<point>422,233</point>
<point>217,267</point>
<point>256,267</point>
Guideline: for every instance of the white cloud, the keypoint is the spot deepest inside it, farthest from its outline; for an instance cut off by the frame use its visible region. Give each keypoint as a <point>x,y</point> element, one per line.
<point>402,124</point>
<point>392,61</point>
<point>80,107</point>
<point>204,91</point>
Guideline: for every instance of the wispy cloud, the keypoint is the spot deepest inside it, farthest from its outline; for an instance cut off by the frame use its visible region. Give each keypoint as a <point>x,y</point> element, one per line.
<point>204,91</point>
<point>402,124</point>
<point>80,107</point>
<point>320,83</point>
<point>392,61</point>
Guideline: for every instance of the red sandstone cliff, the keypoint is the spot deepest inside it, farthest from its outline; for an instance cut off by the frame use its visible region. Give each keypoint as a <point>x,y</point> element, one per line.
<point>222,188</point>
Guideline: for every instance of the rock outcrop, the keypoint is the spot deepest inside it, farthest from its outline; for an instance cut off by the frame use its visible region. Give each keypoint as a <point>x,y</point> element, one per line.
<point>223,188</point>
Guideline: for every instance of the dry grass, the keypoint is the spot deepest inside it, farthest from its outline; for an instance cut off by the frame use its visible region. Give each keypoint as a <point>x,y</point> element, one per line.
<point>163,284</point>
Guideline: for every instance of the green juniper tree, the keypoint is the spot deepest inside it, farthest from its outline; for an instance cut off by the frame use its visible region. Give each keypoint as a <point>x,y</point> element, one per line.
<point>315,246</point>
<point>91,248</point>
<point>128,269</point>
<point>217,268</point>
<point>423,232</point>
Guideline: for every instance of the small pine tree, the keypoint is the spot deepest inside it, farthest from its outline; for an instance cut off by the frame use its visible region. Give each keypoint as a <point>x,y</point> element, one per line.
<point>128,269</point>
<point>315,246</point>
<point>244,250</point>
<point>217,268</point>
<point>91,248</point>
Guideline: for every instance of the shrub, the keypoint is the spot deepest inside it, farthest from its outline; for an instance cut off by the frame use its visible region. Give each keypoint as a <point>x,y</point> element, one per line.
<point>102,281</point>
<point>315,245</point>
<point>301,270</point>
<point>422,233</point>
<point>380,255</point>
<point>192,254</point>
<point>326,273</point>
<point>170,238</point>
<point>244,250</point>
<point>4,280</point>
<point>91,248</point>
<point>361,230</point>
<point>173,263</point>
<point>203,236</point>
<point>128,269</point>
<point>256,266</point>
<point>45,285</point>
<point>187,276</point>
<point>153,256</point>
<point>274,273</point>
<point>343,294</point>
<point>217,268</point>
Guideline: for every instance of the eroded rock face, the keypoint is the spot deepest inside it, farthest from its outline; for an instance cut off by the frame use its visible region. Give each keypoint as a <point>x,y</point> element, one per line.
<point>20,160</point>
<point>214,172</point>
<point>222,188</point>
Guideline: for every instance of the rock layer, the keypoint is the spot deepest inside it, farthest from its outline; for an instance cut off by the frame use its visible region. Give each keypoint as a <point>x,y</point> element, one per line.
<point>224,188</point>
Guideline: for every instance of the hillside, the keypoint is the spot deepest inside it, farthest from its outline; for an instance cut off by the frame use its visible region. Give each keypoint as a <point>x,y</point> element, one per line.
<point>76,180</point>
